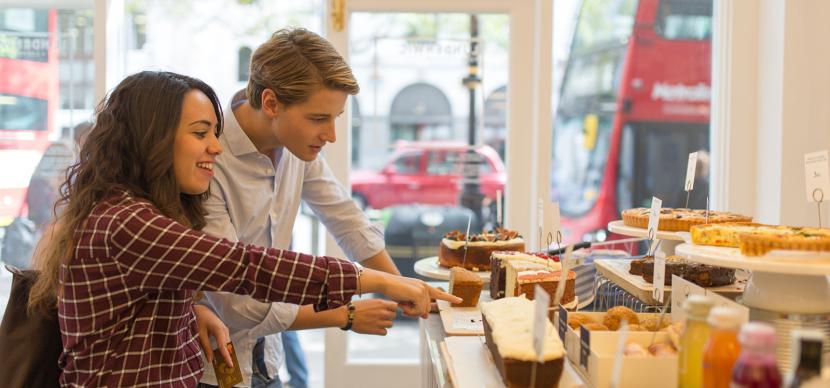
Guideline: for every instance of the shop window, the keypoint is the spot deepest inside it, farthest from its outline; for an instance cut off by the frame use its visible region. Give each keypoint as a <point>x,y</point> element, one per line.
<point>244,61</point>
<point>633,103</point>
<point>420,112</point>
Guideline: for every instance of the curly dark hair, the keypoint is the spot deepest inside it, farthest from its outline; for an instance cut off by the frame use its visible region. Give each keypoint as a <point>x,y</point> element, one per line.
<point>129,148</point>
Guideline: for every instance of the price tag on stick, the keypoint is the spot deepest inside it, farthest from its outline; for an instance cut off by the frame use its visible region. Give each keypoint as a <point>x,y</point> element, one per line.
<point>659,278</point>
<point>563,276</point>
<point>541,303</point>
<point>540,219</point>
<point>654,221</point>
<point>467,239</point>
<point>690,172</point>
<point>817,174</point>
<point>690,176</point>
<point>498,209</point>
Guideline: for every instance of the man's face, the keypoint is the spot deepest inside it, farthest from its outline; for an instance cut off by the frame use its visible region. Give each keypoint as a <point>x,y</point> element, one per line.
<point>306,127</point>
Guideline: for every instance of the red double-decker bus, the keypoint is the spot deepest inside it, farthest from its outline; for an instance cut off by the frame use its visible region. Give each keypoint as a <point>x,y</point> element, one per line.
<point>634,103</point>
<point>28,99</point>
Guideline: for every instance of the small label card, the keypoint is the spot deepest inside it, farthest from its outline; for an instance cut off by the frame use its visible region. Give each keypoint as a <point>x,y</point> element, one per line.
<point>584,347</point>
<point>467,321</point>
<point>659,279</point>
<point>817,172</point>
<point>690,172</point>
<point>541,302</point>
<point>682,288</point>
<point>567,264</point>
<point>498,209</point>
<point>654,220</point>
<point>563,322</point>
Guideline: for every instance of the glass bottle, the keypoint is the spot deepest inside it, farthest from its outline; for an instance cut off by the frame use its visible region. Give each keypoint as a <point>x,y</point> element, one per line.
<point>690,359</point>
<point>756,366</point>
<point>723,348</point>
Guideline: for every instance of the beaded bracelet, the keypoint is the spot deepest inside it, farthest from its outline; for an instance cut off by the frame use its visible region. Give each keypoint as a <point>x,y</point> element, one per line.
<point>351,309</point>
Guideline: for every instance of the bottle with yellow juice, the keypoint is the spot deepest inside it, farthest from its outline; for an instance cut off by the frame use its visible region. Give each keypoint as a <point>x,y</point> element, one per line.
<point>693,341</point>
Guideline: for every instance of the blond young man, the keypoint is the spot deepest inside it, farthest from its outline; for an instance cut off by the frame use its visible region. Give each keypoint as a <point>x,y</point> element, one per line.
<point>274,133</point>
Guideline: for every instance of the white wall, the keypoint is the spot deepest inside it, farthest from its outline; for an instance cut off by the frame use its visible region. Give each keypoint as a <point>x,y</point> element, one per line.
<point>806,104</point>
<point>764,128</point>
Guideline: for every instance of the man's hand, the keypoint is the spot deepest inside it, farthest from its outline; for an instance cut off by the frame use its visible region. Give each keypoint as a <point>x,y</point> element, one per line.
<point>210,325</point>
<point>373,316</point>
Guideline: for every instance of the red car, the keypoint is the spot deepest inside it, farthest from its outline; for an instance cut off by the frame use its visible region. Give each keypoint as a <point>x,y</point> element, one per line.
<point>427,172</point>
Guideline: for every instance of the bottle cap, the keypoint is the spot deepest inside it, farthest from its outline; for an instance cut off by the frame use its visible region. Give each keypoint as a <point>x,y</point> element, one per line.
<point>725,318</point>
<point>757,335</point>
<point>697,307</point>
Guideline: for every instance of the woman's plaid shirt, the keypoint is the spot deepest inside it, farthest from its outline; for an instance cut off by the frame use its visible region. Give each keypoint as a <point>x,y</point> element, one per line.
<point>126,312</point>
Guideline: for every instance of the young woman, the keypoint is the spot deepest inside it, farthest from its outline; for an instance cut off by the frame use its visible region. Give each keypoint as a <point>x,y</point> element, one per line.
<point>126,256</point>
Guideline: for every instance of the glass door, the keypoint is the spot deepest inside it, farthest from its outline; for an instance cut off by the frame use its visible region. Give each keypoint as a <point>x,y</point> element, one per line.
<point>427,142</point>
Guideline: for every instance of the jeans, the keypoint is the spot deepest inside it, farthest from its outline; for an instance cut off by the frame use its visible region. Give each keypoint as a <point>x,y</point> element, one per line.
<point>294,360</point>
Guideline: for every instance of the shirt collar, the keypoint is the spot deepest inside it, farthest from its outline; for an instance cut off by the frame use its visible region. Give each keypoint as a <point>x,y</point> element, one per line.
<point>237,140</point>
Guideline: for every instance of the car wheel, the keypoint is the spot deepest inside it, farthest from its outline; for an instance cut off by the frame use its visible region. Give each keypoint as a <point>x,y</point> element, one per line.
<point>360,200</point>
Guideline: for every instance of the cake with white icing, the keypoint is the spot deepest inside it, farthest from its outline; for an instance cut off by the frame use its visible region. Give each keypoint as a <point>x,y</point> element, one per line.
<point>508,330</point>
<point>521,277</point>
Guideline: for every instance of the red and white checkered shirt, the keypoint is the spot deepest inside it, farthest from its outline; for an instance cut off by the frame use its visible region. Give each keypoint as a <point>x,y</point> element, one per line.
<point>126,312</point>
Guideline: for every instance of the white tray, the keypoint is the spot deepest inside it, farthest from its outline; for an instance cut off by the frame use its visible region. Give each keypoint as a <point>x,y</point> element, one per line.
<point>471,365</point>
<point>619,227</point>
<point>783,262</point>
<point>463,320</point>
<point>617,271</point>
<point>429,267</point>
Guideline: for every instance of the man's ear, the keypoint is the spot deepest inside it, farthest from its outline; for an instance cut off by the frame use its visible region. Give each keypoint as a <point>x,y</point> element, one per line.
<point>270,104</point>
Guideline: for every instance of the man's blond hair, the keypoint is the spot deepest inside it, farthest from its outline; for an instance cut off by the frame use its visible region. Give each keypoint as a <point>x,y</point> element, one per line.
<point>294,63</point>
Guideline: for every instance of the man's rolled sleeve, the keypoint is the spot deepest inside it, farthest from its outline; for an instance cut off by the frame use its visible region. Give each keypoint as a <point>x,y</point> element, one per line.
<point>362,244</point>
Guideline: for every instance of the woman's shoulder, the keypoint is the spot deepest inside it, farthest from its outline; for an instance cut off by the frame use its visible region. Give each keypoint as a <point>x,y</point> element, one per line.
<point>119,202</point>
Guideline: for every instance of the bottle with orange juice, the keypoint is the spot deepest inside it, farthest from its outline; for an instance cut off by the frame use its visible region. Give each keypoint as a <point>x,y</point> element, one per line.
<point>723,348</point>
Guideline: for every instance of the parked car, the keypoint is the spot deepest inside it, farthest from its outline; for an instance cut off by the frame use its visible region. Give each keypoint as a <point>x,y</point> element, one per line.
<point>428,172</point>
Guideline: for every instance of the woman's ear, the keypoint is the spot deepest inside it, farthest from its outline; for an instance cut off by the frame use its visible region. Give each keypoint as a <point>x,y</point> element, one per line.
<point>270,103</point>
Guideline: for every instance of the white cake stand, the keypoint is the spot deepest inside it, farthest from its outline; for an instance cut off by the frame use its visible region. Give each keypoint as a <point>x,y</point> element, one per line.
<point>670,240</point>
<point>783,281</point>
<point>429,267</point>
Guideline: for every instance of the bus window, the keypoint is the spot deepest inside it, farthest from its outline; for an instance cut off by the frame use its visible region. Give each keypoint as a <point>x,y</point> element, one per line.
<point>602,22</point>
<point>18,113</point>
<point>651,154</point>
<point>685,19</point>
<point>577,174</point>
